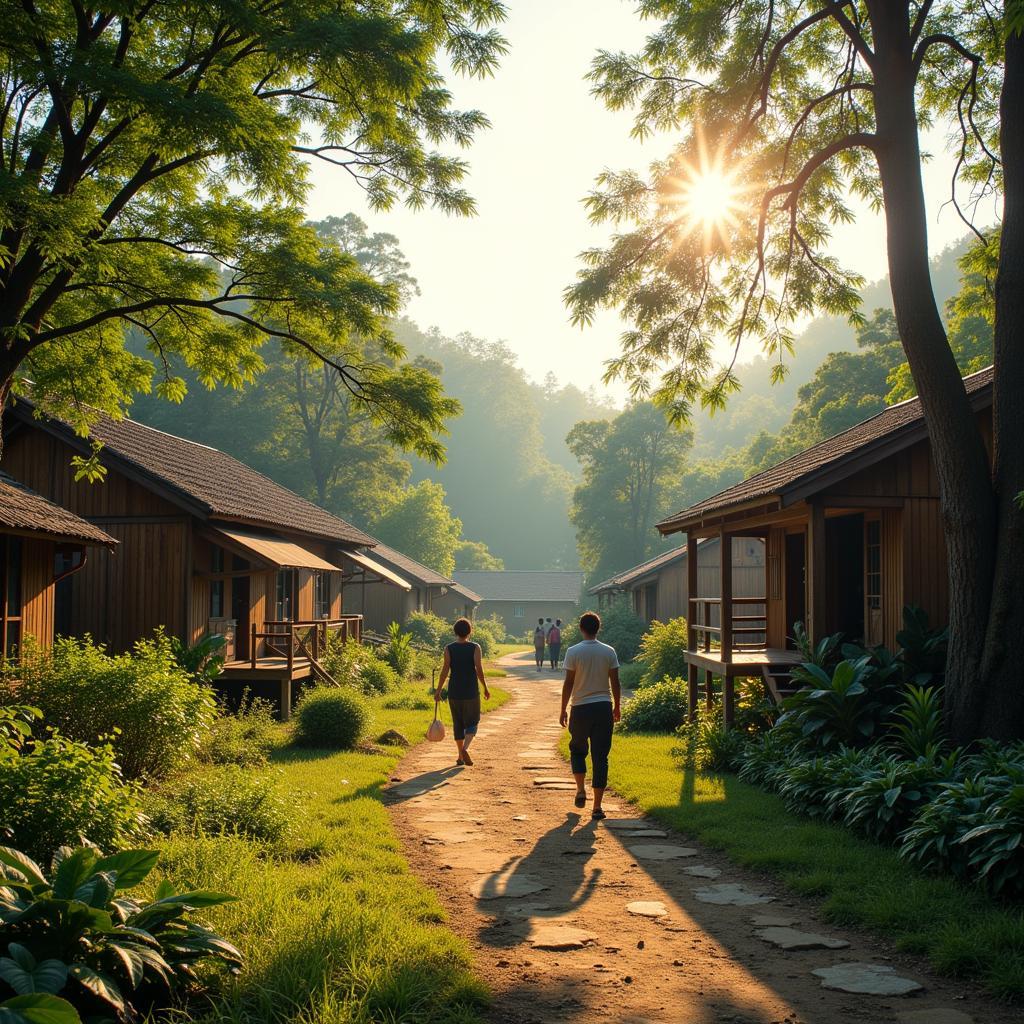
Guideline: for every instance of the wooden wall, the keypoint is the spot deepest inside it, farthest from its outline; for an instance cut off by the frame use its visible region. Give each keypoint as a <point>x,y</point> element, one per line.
<point>380,604</point>
<point>37,589</point>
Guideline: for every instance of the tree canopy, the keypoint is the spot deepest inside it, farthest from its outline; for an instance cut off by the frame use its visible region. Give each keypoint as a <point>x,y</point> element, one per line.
<point>153,177</point>
<point>421,525</point>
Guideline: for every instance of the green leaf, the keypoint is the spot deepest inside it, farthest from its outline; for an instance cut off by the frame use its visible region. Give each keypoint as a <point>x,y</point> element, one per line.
<point>100,985</point>
<point>72,871</point>
<point>129,867</point>
<point>25,865</point>
<point>38,1008</point>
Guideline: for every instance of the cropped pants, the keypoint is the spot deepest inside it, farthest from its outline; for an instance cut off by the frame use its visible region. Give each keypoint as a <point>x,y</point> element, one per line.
<point>590,725</point>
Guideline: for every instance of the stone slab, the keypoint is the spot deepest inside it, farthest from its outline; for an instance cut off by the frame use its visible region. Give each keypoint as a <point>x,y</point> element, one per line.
<point>865,979</point>
<point>772,921</point>
<point>661,851</point>
<point>647,908</point>
<point>730,895</point>
<point>702,871</point>
<point>792,939</point>
<point>620,823</point>
<point>561,937</point>
<point>643,833</point>
<point>506,886</point>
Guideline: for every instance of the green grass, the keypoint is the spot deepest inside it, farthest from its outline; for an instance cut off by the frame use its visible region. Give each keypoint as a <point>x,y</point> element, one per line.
<point>333,925</point>
<point>859,883</point>
<point>500,650</point>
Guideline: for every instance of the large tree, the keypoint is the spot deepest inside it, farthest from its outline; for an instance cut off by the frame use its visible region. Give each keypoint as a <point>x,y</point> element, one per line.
<point>631,470</point>
<point>154,167</point>
<point>785,109</point>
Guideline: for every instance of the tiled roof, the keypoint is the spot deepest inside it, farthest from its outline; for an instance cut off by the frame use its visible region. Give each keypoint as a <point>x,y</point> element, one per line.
<point>408,567</point>
<point>627,576</point>
<point>23,509</point>
<point>221,486</point>
<point>470,595</point>
<point>522,585</point>
<point>906,418</point>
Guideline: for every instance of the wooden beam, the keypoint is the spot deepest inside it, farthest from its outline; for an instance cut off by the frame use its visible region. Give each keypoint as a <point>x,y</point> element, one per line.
<point>691,679</point>
<point>817,601</point>
<point>725,565</point>
<point>691,589</point>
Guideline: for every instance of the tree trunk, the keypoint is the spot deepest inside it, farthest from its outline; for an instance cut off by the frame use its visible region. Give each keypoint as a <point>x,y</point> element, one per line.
<point>958,451</point>
<point>1000,677</point>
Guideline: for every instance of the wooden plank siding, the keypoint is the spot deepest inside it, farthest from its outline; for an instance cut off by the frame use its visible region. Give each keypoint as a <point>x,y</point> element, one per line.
<point>37,590</point>
<point>775,570</point>
<point>893,575</point>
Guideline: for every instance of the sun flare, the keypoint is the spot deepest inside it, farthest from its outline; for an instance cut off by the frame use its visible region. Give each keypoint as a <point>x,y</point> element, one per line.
<point>709,197</point>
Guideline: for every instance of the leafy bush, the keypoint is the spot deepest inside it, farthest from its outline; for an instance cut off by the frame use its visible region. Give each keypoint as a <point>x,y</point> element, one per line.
<point>658,708</point>
<point>708,745</point>
<point>377,676</point>
<point>204,660</point>
<point>245,737</point>
<point>409,702</point>
<point>922,650</point>
<point>919,729</point>
<point>223,800</point>
<point>885,804</point>
<point>495,626</point>
<point>428,630</point>
<point>154,713</point>
<point>424,665</point>
<point>55,791</point>
<point>631,676</point>
<point>331,717</point>
<point>623,629</point>
<point>350,664</point>
<point>399,652</point>
<point>662,651</point>
<point>80,936</point>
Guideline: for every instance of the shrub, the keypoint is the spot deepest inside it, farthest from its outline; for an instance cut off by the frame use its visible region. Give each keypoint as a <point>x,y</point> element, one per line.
<point>204,660</point>
<point>708,745</point>
<point>350,664</point>
<point>377,676</point>
<point>631,676</point>
<point>494,627</point>
<point>658,708</point>
<point>245,737</point>
<point>428,630</point>
<point>885,804</point>
<point>109,955</point>
<point>154,713</point>
<point>55,791</point>
<point>409,702</point>
<point>399,652</point>
<point>331,717</point>
<point>485,640</point>
<point>662,651</point>
<point>424,665</point>
<point>222,800</point>
<point>919,729</point>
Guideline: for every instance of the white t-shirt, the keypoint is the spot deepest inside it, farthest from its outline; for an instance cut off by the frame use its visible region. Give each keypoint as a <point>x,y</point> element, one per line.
<point>591,660</point>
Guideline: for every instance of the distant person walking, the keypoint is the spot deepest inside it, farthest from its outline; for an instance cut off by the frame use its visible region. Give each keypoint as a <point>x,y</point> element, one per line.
<point>462,662</point>
<point>591,689</point>
<point>539,640</point>
<point>555,643</point>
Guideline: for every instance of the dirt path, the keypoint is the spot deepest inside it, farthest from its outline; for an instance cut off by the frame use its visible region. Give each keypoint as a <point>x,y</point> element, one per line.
<point>553,904</point>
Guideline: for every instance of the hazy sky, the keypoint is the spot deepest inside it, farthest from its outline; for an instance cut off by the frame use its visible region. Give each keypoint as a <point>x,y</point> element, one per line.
<point>500,275</point>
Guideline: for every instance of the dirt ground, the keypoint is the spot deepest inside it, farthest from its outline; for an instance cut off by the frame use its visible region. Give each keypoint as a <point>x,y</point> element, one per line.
<point>541,893</point>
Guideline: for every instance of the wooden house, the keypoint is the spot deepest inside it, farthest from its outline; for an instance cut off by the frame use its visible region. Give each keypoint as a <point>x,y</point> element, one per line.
<point>656,588</point>
<point>399,587</point>
<point>521,597</point>
<point>853,533</point>
<point>41,546</point>
<point>457,602</point>
<point>205,544</point>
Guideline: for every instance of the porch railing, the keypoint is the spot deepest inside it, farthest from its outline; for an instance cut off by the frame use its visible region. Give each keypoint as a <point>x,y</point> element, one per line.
<point>748,630</point>
<point>301,638</point>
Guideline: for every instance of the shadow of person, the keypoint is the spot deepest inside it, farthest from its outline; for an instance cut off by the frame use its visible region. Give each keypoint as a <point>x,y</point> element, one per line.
<point>420,784</point>
<point>551,881</point>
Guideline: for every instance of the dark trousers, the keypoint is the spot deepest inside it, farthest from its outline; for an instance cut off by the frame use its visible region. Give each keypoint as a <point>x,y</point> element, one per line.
<point>539,655</point>
<point>556,650</point>
<point>590,725</point>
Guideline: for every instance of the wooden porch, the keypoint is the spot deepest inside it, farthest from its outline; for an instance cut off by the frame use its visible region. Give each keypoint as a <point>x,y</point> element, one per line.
<point>287,652</point>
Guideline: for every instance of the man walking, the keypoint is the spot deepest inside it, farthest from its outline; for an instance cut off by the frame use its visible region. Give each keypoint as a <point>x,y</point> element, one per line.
<point>539,639</point>
<point>592,688</point>
<point>555,643</point>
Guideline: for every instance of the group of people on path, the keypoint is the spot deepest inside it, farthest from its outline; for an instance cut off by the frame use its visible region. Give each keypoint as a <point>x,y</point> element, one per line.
<point>547,634</point>
<point>590,705</point>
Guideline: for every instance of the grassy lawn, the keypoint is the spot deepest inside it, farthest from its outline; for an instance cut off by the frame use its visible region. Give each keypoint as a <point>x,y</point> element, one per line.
<point>500,650</point>
<point>333,925</point>
<point>961,931</point>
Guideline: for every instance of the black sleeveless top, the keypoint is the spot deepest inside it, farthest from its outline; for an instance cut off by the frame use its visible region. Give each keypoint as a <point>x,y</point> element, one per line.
<point>462,685</point>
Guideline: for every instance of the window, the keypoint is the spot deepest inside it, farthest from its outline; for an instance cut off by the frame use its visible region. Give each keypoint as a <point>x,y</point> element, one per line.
<point>10,596</point>
<point>216,558</point>
<point>873,564</point>
<point>216,599</point>
<point>285,594</point>
<point>321,596</point>
<point>518,612</point>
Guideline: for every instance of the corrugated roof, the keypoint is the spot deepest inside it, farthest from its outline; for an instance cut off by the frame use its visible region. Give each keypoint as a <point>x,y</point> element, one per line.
<point>906,418</point>
<point>23,510</point>
<point>221,486</point>
<point>408,567</point>
<point>522,584</point>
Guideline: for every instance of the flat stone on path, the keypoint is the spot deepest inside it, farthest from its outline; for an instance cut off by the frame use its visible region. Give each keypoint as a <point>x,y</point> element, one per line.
<point>507,886</point>
<point>789,939</point>
<point>561,936</point>
<point>936,1016</point>
<point>647,908</point>
<point>772,921</point>
<point>730,895</point>
<point>620,823</point>
<point>865,979</point>
<point>661,851</point>
<point>702,871</point>
<point>643,833</point>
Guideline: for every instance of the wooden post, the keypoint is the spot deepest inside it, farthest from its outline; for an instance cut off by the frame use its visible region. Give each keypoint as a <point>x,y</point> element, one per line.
<point>691,679</point>
<point>691,590</point>
<point>816,566</point>
<point>725,559</point>
<point>728,697</point>
<point>709,687</point>
<point>286,697</point>
<point>252,646</point>
<point>290,635</point>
